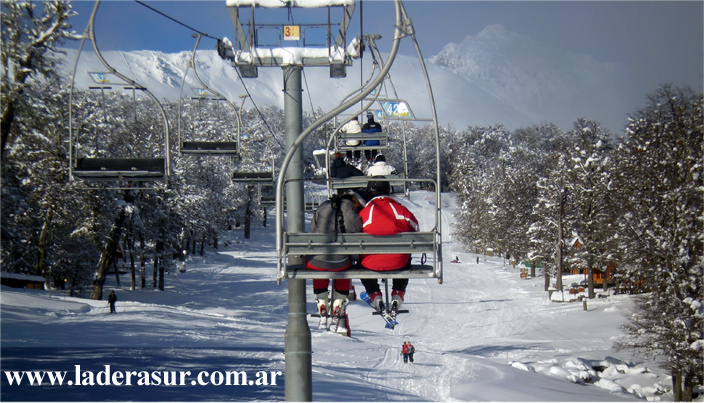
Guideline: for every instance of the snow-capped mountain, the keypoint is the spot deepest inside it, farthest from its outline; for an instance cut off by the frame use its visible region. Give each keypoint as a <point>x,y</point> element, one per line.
<point>544,84</point>
<point>495,77</point>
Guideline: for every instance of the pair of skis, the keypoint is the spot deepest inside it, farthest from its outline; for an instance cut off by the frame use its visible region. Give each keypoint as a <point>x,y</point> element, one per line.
<point>339,321</point>
<point>388,316</point>
<point>334,325</point>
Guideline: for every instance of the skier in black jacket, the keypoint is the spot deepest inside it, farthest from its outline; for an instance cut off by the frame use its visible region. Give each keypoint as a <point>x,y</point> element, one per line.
<point>111,301</point>
<point>341,169</point>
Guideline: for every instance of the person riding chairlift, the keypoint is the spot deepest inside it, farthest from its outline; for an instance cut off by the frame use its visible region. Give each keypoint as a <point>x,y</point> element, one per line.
<point>381,168</point>
<point>371,127</point>
<point>383,215</point>
<point>352,127</point>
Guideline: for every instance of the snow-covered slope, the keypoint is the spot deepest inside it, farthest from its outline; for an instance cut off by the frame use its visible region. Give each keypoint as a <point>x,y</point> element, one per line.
<point>483,335</point>
<point>491,78</point>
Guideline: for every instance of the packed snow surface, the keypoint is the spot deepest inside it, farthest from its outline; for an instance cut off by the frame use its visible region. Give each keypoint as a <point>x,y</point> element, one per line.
<point>483,335</point>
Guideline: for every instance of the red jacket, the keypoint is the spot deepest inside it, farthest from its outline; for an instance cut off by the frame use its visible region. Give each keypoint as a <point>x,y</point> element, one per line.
<point>385,216</point>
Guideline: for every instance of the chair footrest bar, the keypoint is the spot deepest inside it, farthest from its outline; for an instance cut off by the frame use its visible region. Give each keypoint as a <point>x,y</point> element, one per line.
<point>414,271</point>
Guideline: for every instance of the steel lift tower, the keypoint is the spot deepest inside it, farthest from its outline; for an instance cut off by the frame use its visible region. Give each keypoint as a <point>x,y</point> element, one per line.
<point>323,44</point>
<point>321,47</point>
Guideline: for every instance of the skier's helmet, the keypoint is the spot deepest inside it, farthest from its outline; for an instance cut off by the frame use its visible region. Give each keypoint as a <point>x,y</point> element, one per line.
<point>378,188</point>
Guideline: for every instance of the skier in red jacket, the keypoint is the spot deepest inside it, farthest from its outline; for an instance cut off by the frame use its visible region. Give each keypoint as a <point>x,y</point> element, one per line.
<point>385,216</point>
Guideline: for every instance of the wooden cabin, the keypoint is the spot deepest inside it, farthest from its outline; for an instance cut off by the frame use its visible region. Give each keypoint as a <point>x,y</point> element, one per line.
<point>19,280</point>
<point>600,273</point>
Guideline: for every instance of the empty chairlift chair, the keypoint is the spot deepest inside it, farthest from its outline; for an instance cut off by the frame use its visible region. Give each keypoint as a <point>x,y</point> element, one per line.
<point>96,166</point>
<point>192,144</point>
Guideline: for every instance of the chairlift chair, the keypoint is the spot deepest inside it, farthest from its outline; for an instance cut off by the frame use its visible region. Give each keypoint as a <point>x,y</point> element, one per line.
<point>382,137</point>
<point>425,245</point>
<point>259,177</point>
<point>120,169</point>
<point>207,147</point>
<point>360,243</point>
<point>254,177</point>
<point>112,168</point>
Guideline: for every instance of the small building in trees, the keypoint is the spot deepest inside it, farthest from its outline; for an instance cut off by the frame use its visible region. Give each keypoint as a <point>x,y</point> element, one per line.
<point>19,280</point>
<point>600,274</point>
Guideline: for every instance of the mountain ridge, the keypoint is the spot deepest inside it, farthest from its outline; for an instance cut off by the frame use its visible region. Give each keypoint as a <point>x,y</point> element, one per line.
<point>494,77</point>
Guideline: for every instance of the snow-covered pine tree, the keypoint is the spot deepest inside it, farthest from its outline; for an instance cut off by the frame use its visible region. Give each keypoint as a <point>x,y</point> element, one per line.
<point>30,39</point>
<point>40,209</point>
<point>522,166</point>
<point>660,185</point>
<point>589,212</point>
<point>476,177</point>
<point>420,149</point>
<point>548,215</point>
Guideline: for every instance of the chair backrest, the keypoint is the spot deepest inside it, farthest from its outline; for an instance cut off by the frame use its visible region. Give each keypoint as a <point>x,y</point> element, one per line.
<point>133,169</point>
<point>425,244</point>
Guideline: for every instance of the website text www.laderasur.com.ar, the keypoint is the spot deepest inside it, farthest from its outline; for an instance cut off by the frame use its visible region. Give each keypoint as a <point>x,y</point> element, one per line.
<point>111,377</point>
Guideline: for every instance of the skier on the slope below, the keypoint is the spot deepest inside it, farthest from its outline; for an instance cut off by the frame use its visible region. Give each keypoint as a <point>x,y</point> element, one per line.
<point>335,216</point>
<point>112,298</point>
<point>385,216</point>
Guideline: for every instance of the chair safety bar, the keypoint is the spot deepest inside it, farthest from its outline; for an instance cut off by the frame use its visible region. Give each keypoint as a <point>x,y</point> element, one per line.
<point>381,137</point>
<point>260,177</point>
<point>357,182</point>
<point>301,244</point>
<point>135,169</point>
<point>209,147</point>
<point>271,200</point>
<point>413,271</point>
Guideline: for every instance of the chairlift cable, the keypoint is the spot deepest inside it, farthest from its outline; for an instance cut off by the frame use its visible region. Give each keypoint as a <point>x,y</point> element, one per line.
<point>310,99</point>
<point>238,73</point>
<point>361,54</point>
<point>134,77</point>
<point>258,111</point>
<point>176,21</point>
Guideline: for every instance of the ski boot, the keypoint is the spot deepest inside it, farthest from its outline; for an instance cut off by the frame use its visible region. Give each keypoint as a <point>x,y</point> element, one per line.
<point>376,301</point>
<point>352,296</point>
<point>323,308</point>
<point>343,326</point>
<point>339,307</point>
<point>396,301</point>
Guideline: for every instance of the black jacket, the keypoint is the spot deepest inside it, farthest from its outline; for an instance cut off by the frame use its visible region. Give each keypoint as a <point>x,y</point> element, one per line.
<point>340,169</point>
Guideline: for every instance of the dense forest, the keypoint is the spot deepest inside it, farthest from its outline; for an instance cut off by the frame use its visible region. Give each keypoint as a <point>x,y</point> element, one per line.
<point>635,202</point>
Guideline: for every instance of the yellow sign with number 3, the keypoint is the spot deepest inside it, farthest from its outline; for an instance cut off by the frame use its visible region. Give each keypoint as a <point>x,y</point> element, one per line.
<point>292,32</point>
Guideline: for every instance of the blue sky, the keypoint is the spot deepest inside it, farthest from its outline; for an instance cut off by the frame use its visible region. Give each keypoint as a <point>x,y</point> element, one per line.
<point>657,41</point>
